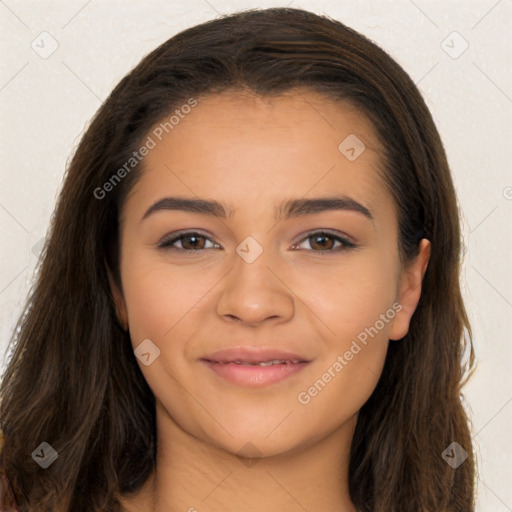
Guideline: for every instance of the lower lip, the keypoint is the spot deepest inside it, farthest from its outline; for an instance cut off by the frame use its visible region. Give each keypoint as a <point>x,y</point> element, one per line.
<point>252,375</point>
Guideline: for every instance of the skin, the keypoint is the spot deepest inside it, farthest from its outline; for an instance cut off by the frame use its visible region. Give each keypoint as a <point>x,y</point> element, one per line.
<point>252,153</point>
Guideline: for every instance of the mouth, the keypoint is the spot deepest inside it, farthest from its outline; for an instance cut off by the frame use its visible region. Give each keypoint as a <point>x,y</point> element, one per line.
<point>254,367</point>
<point>259,363</point>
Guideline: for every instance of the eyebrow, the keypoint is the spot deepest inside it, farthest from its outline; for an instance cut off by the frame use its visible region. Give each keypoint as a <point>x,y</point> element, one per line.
<point>285,210</point>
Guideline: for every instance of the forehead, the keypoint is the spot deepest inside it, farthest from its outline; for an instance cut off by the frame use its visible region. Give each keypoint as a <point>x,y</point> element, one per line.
<point>240,147</point>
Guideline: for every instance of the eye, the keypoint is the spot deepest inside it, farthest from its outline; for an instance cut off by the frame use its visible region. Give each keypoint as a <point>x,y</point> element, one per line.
<point>190,241</point>
<point>324,241</point>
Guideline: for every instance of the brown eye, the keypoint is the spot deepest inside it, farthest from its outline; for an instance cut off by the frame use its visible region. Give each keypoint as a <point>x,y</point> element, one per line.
<point>321,241</point>
<point>190,241</point>
<point>326,242</point>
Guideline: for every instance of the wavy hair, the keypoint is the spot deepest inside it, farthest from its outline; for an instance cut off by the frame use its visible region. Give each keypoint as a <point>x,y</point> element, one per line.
<point>72,379</point>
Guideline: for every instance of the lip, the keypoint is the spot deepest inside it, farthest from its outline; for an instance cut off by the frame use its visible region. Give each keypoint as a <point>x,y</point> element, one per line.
<point>238,365</point>
<point>251,354</point>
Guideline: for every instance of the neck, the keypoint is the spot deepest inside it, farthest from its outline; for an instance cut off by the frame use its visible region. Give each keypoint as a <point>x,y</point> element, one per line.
<point>194,476</point>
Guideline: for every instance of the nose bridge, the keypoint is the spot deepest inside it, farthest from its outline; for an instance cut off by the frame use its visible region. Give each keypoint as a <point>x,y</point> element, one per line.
<point>253,259</point>
<point>252,292</point>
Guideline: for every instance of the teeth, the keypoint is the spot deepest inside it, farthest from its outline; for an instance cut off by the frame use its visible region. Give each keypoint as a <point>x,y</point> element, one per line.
<point>263,363</point>
<point>269,363</point>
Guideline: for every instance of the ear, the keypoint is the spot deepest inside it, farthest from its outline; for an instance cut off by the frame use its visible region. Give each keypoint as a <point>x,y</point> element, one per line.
<point>409,291</point>
<point>119,302</point>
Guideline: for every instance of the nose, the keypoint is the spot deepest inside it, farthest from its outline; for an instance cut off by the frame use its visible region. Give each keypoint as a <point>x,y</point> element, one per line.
<point>255,293</point>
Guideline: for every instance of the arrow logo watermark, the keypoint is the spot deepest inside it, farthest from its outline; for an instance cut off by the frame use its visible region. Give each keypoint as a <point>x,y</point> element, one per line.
<point>454,45</point>
<point>147,352</point>
<point>351,147</point>
<point>455,455</point>
<point>249,250</point>
<point>44,455</point>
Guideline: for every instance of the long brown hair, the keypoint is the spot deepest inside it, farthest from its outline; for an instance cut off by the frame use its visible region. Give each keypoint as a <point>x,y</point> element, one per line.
<point>72,379</point>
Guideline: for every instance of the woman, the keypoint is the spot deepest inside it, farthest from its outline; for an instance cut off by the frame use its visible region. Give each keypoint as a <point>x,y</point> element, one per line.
<point>249,297</point>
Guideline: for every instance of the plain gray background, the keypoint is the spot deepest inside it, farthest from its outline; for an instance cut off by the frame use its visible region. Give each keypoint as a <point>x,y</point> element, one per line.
<point>61,59</point>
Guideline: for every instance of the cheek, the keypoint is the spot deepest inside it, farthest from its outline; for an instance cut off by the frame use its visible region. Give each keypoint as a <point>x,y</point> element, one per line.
<point>351,363</point>
<point>358,306</point>
<point>352,297</point>
<point>156,298</point>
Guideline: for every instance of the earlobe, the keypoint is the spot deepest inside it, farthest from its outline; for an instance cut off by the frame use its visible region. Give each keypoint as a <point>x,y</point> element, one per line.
<point>409,291</point>
<point>119,302</point>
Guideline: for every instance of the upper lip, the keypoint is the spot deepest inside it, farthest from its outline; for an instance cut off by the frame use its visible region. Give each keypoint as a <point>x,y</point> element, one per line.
<point>250,354</point>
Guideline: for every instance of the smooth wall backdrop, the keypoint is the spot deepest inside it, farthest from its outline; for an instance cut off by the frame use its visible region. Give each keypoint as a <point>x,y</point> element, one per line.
<point>61,59</point>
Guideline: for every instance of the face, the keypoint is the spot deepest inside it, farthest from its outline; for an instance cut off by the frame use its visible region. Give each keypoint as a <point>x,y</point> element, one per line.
<point>268,321</point>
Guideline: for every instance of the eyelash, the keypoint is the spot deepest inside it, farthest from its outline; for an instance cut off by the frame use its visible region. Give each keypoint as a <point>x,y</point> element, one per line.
<point>167,243</point>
